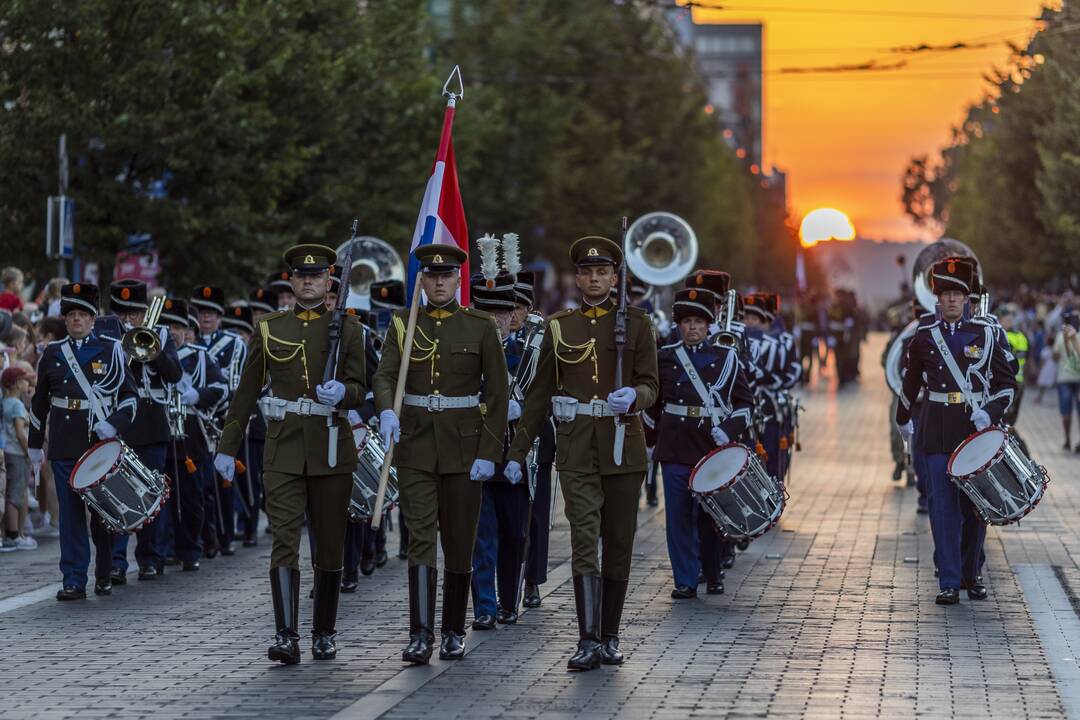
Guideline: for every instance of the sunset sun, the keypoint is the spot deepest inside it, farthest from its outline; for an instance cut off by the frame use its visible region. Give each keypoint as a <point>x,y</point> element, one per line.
<point>825,224</point>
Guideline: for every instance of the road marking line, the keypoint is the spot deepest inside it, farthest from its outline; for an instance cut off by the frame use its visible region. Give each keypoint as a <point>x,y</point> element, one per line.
<point>1058,627</point>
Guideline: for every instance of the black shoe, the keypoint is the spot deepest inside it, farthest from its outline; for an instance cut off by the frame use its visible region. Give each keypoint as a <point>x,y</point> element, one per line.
<point>285,591</point>
<point>70,592</point>
<point>587,589</point>
<point>948,596</point>
<point>367,566</point>
<point>251,541</point>
<point>423,584</point>
<point>172,561</point>
<point>923,507</point>
<point>103,586</point>
<point>381,558</point>
<point>897,471</point>
<point>507,617</point>
<point>483,622</point>
<point>191,566</point>
<point>268,530</point>
<point>324,614</point>
<point>160,569</point>
<point>728,562</point>
<point>349,582</point>
<point>683,592</point>
<point>403,554</point>
<point>742,545</point>
<point>653,502</point>
<point>714,588</point>
<point>532,596</point>
<point>611,607</point>
<point>211,551</point>
<point>228,549</point>
<point>148,573</point>
<point>976,591</point>
<point>456,588</point>
<point>118,577</point>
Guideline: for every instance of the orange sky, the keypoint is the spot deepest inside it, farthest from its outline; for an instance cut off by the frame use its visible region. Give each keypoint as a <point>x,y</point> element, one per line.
<point>844,139</point>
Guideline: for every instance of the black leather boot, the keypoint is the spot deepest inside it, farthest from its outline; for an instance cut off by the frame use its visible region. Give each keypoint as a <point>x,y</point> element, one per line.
<point>423,583</point>
<point>587,589</point>
<point>285,590</point>
<point>612,598</point>
<point>455,601</point>
<point>324,614</point>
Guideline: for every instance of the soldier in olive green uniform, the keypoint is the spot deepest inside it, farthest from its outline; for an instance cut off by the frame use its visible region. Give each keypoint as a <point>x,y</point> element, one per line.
<point>309,455</point>
<point>575,381</point>
<point>449,437</point>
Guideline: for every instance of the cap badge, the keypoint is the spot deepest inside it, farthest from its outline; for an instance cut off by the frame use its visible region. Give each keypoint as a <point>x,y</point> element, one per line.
<point>168,304</point>
<point>700,279</point>
<point>692,295</point>
<point>76,288</point>
<point>125,294</point>
<point>437,259</point>
<point>951,266</point>
<point>206,292</point>
<point>384,292</point>
<point>593,252</point>
<point>309,260</point>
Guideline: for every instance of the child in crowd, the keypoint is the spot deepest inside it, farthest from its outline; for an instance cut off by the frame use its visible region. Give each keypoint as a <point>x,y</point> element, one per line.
<point>15,384</point>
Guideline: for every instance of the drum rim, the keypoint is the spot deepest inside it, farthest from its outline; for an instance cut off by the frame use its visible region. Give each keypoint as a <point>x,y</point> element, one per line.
<point>89,450</point>
<point>989,463</point>
<point>714,451</point>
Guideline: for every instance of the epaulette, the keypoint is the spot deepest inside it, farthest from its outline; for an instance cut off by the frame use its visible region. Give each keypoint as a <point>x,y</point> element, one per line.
<point>928,323</point>
<point>985,320</point>
<point>634,311</point>
<point>477,313</point>
<point>561,314</point>
<point>272,316</point>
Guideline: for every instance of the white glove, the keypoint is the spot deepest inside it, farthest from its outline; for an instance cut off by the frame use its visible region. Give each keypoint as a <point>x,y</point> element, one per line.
<point>105,430</point>
<point>37,457</point>
<point>980,419</point>
<point>389,427</point>
<point>225,465</point>
<point>330,393</point>
<point>189,396</point>
<point>907,431</point>
<point>719,436</point>
<point>512,472</point>
<point>622,400</point>
<point>513,412</point>
<point>481,470</point>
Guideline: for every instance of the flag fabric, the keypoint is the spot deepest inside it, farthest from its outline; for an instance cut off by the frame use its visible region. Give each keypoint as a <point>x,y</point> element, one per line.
<point>442,215</point>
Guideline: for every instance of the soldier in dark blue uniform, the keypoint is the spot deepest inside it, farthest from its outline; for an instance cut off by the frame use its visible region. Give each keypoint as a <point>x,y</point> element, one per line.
<point>76,420</point>
<point>500,537</point>
<point>536,561</point>
<point>262,301</point>
<point>969,382</point>
<point>693,418</point>
<point>149,437</point>
<point>229,351</point>
<point>202,388</point>
<point>765,353</point>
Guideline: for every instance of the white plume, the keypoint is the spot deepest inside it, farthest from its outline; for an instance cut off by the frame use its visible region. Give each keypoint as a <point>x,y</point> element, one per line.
<point>489,257</point>
<point>511,253</point>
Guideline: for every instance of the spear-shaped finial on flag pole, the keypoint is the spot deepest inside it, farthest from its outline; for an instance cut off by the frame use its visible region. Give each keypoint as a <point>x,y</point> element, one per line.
<point>447,92</point>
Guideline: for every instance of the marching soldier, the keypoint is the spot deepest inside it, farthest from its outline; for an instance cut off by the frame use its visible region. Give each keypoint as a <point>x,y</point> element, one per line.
<point>149,437</point>
<point>280,283</point>
<point>262,302</point>
<point>240,320</point>
<point>306,470</point>
<point>704,402</point>
<point>84,393</point>
<point>601,482</point>
<point>202,389</point>
<point>500,534</point>
<point>969,382</point>
<point>449,437</point>
<point>228,350</point>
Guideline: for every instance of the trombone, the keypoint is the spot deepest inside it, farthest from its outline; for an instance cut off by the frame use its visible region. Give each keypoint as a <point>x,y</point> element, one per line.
<point>142,342</point>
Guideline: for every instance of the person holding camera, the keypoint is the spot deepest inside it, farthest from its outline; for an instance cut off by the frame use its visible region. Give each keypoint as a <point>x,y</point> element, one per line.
<point>1067,357</point>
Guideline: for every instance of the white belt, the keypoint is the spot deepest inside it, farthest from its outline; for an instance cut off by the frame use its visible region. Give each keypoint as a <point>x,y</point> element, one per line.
<point>156,394</point>
<point>438,403</point>
<point>275,408</point>
<point>594,408</point>
<point>692,411</point>
<point>950,398</point>
<point>67,403</point>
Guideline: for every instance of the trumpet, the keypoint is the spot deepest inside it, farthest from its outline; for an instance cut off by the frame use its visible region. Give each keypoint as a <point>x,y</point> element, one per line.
<point>176,412</point>
<point>142,342</point>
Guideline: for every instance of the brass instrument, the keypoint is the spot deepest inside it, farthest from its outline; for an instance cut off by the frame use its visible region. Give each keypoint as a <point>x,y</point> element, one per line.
<point>660,248</point>
<point>924,261</point>
<point>984,305</point>
<point>142,342</point>
<point>726,336</point>
<point>374,260</point>
<point>175,409</point>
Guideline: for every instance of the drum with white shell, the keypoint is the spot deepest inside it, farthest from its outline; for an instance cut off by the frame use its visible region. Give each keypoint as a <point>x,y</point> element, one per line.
<point>114,483</point>
<point>1001,481</point>
<point>737,492</point>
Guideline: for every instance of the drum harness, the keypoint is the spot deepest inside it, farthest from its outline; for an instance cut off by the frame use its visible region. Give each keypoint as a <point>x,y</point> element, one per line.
<point>714,405</point>
<point>98,405</point>
<point>958,376</point>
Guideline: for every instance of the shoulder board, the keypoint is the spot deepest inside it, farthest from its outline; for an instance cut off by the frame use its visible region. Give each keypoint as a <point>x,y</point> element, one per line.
<point>59,342</point>
<point>672,346</point>
<point>634,311</point>
<point>928,323</point>
<point>985,321</point>
<point>271,316</point>
<point>477,313</point>
<point>561,314</point>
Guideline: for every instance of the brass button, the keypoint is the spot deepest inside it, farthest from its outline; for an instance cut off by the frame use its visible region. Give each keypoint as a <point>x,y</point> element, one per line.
<point>435,392</point>
<point>592,322</point>
<point>438,356</point>
<point>305,324</point>
<point>595,398</point>
<point>438,323</point>
<point>304,340</point>
<point>436,373</point>
<point>595,379</point>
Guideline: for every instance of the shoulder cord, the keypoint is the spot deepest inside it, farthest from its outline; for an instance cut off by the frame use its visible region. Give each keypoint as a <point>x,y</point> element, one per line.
<point>427,351</point>
<point>264,330</point>
<point>587,350</point>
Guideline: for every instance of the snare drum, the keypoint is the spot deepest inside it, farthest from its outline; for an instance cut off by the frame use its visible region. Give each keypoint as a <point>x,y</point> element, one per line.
<point>115,483</point>
<point>1001,481</point>
<point>734,488</point>
<point>370,455</point>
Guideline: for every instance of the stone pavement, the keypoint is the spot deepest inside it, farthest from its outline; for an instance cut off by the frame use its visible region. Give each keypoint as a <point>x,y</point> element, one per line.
<point>829,615</point>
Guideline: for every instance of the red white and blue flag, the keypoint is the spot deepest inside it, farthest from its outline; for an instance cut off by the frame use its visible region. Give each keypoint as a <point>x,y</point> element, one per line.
<point>442,215</point>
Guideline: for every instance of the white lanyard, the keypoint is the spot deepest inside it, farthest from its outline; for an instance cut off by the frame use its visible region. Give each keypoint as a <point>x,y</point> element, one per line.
<point>97,412</point>
<point>954,369</point>
<point>709,398</point>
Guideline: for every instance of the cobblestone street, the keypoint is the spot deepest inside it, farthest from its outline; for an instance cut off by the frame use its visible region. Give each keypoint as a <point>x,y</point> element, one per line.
<point>829,615</point>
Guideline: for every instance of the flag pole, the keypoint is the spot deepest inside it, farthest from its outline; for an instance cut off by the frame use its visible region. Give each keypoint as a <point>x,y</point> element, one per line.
<point>410,332</point>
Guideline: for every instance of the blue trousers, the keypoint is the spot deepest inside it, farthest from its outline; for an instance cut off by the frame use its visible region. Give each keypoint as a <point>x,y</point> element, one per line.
<point>150,547</point>
<point>770,438</point>
<point>692,541</point>
<point>959,532</point>
<point>186,505</point>
<point>500,547</point>
<point>74,541</point>
<point>537,561</point>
